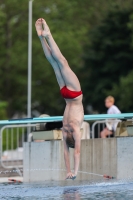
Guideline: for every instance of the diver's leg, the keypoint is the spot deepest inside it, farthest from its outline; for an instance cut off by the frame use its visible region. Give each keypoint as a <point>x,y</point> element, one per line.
<point>48,54</point>
<point>70,79</point>
<point>105,133</point>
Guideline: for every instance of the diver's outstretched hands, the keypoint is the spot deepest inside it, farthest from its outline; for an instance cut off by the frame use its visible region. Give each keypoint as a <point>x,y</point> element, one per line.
<point>70,175</point>
<point>42,28</point>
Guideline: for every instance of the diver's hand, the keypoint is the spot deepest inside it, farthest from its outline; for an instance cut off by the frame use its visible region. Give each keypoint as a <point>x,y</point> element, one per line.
<point>70,175</point>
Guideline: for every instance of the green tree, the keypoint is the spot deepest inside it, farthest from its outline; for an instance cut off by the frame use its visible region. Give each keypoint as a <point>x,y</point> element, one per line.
<point>13,62</point>
<point>3,110</point>
<point>13,67</point>
<point>123,91</point>
<point>70,22</point>
<point>108,56</point>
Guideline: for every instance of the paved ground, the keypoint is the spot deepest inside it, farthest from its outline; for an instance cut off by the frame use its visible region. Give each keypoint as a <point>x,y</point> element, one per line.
<point>10,172</point>
<point>16,178</point>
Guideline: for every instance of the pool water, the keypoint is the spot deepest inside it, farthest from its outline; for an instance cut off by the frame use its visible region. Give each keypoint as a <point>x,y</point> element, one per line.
<point>68,190</point>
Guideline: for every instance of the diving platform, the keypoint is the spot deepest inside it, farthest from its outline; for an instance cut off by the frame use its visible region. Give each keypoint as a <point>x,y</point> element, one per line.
<point>94,117</point>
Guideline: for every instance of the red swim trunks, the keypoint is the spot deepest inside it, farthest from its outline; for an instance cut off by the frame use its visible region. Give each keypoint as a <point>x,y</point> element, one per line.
<point>68,94</point>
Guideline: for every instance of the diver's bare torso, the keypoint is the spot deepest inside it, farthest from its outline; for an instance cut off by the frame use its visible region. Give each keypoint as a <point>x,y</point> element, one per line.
<point>73,113</point>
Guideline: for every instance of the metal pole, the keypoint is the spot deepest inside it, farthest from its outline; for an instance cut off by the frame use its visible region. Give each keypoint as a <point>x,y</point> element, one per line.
<point>29,59</point>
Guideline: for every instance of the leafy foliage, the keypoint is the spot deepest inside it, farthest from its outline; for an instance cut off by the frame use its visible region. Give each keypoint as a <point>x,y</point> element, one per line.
<point>124,92</point>
<point>108,57</point>
<point>96,37</point>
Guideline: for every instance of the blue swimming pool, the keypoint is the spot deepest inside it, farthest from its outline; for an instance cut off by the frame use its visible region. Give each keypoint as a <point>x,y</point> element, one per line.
<point>68,190</point>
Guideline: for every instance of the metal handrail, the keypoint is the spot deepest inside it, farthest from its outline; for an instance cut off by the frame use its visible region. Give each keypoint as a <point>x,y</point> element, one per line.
<point>93,127</point>
<point>99,122</point>
<point>1,143</point>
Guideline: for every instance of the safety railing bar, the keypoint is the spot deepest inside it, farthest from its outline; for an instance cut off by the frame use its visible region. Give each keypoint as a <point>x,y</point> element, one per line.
<point>7,139</point>
<point>22,136</point>
<point>20,125</point>
<point>12,142</point>
<point>17,138</point>
<point>10,167</point>
<point>13,160</point>
<point>93,126</point>
<point>3,162</point>
<point>100,122</point>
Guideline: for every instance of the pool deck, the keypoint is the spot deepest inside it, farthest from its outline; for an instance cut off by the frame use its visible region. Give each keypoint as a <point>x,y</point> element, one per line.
<point>5,179</point>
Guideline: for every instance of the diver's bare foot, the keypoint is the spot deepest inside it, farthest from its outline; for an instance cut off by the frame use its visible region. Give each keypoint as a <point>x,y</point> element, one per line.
<point>38,26</point>
<point>46,30</point>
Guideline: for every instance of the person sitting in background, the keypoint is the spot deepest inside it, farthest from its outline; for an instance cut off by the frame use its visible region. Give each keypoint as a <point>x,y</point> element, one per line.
<point>110,124</point>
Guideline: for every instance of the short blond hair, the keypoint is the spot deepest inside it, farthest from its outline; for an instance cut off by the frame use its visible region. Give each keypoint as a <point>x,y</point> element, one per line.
<point>110,98</point>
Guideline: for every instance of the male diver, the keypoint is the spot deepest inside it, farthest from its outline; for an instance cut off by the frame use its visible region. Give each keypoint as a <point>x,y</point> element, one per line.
<point>70,90</point>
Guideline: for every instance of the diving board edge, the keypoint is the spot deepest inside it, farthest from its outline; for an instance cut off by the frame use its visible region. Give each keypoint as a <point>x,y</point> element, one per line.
<point>94,117</point>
